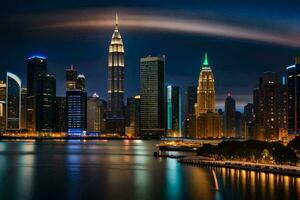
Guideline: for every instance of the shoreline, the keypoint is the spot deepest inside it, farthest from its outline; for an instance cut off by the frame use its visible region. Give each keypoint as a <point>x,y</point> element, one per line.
<point>267,168</point>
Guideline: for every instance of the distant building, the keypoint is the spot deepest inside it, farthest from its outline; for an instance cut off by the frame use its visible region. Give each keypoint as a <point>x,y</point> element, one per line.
<point>208,121</point>
<point>36,65</point>
<point>23,107</point>
<point>60,114</point>
<point>265,99</point>
<point>2,106</point>
<point>13,102</point>
<point>152,84</point>
<point>132,128</point>
<point>80,82</point>
<point>230,117</point>
<point>71,77</point>
<point>45,102</point>
<point>190,122</point>
<point>115,122</point>
<point>76,101</point>
<point>283,105</point>
<point>95,113</point>
<point>248,122</point>
<point>293,82</point>
<point>174,124</point>
<point>238,124</point>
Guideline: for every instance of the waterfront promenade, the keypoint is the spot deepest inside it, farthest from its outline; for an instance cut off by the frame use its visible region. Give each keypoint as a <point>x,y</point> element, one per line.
<point>269,168</point>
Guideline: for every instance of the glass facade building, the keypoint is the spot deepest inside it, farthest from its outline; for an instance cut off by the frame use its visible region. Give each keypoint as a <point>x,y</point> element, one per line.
<point>174,125</point>
<point>13,102</point>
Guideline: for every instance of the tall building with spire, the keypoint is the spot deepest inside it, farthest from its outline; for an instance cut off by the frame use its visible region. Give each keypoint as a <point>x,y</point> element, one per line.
<point>208,121</point>
<point>115,104</point>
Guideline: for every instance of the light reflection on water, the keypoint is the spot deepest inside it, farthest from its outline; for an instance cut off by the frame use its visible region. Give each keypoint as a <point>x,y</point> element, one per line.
<point>123,170</point>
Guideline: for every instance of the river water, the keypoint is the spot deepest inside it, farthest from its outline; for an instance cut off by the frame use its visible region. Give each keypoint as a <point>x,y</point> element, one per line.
<point>123,169</point>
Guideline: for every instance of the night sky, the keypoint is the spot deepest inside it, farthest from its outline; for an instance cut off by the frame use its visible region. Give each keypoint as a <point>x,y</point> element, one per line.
<point>243,39</point>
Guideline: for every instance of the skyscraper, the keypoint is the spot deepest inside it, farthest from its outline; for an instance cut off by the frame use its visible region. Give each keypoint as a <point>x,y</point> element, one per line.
<point>45,102</point>
<point>132,128</point>
<point>229,117</point>
<point>265,100</point>
<point>80,82</point>
<point>23,107</point>
<point>173,111</point>
<point>293,84</point>
<point>190,121</point>
<point>115,104</point>
<point>71,77</point>
<point>60,114</point>
<point>36,65</point>
<point>248,122</point>
<point>208,121</point>
<point>13,102</point>
<point>152,86</point>
<point>2,106</point>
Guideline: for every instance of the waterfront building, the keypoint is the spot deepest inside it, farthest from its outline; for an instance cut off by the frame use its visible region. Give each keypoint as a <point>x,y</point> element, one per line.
<point>173,111</point>
<point>76,103</point>
<point>230,117</point>
<point>45,102</point>
<point>265,99</point>
<point>208,121</point>
<point>152,87</point>
<point>248,122</point>
<point>71,77</point>
<point>189,122</point>
<point>23,108</point>
<point>115,122</point>
<point>283,105</point>
<point>13,102</point>
<point>94,114</point>
<point>132,128</point>
<point>36,65</point>
<point>293,84</point>
<point>2,106</point>
<point>60,114</point>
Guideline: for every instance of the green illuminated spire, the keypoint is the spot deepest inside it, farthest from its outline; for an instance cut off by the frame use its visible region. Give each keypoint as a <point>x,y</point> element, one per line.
<point>205,64</point>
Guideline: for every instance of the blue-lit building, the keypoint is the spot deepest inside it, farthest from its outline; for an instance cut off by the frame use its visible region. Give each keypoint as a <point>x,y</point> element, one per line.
<point>36,66</point>
<point>293,84</point>
<point>13,102</point>
<point>173,111</point>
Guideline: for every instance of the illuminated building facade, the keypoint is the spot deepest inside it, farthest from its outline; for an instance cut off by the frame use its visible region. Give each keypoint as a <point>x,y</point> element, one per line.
<point>71,77</point>
<point>265,99</point>
<point>229,117</point>
<point>60,114</point>
<point>293,84</point>
<point>23,107</point>
<point>190,120</point>
<point>115,122</point>
<point>152,87</point>
<point>94,114</point>
<point>45,102</point>
<point>208,121</point>
<point>13,102</point>
<point>36,65</point>
<point>2,106</point>
<point>174,126</point>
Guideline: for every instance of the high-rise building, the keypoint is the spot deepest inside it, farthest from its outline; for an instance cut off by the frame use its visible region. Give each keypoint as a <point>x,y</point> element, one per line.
<point>229,117</point>
<point>76,111</point>
<point>23,107</point>
<point>2,106</point>
<point>293,84</point>
<point>283,105</point>
<point>208,121</point>
<point>265,100</point>
<point>36,65</point>
<point>71,77</point>
<point>45,102</point>
<point>60,114</point>
<point>173,111</point>
<point>115,104</point>
<point>190,120</point>
<point>152,86</point>
<point>13,102</point>
<point>132,128</point>
<point>238,124</point>
<point>94,114</point>
<point>80,82</point>
<point>248,122</point>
